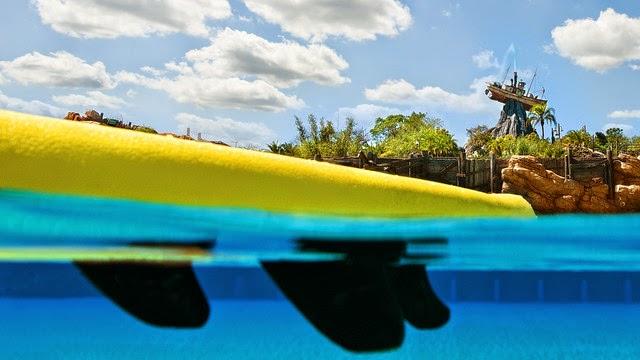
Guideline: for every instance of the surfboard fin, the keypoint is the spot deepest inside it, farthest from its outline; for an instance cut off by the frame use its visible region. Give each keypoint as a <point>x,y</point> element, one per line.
<point>420,305</point>
<point>167,295</point>
<point>353,304</point>
<point>361,302</point>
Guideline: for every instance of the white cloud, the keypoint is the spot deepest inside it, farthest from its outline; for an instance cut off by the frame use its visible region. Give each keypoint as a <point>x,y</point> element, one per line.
<point>601,44</point>
<point>131,93</point>
<point>59,69</point>
<point>282,64</point>
<point>403,92</point>
<point>366,114</point>
<point>152,71</point>
<point>240,70</point>
<point>115,18</point>
<point>93,99</point>
<point>485,59</point>
<point>625,114</point>
<point>231,93</point>
<point>625,127</point>
<point>634,67</point>
<point>318,19</point>
<point>29,106</point>
<point>228,130</point>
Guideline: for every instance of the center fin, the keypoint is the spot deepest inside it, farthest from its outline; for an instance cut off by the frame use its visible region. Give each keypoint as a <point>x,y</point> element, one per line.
<point>352,303</point>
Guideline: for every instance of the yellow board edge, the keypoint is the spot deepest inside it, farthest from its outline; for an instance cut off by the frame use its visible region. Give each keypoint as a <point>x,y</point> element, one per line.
<point>163,255</point>
<point>57,156</point>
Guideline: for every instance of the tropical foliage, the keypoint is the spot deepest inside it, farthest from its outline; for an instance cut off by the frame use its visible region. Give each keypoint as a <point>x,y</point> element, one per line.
<point>634,145</point>
<point>531,144</point>
<point>282,149</point>
<point>145,129</point>
<point>540,114</point>
<point>616,140</point>
<point>578,138</point>
<point>320,138</point>
<point>476,145</point>
<point>402,135</point>
<point>612,138</point>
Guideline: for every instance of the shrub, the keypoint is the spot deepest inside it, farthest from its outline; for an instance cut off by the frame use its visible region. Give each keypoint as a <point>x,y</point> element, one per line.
<point>401,135</point>
<point>506,146</point>
<point>321,138</point>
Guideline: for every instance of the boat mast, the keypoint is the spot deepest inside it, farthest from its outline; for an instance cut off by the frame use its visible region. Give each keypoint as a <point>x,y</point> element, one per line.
<point>505,74</point>
<point>531,83</point>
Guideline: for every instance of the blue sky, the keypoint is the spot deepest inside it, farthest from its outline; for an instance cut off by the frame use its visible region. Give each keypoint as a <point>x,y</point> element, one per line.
<point>239,71</point>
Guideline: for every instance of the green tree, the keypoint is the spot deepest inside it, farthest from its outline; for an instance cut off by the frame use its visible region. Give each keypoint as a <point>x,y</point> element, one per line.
<point>283,149</point>
<point>577,138</point>
<point>539,115</point>
<point>274,147</point>
<point>479,137</point>
<point>302,131</point>
<point>616,139</point>
<point>634,145</point>
<point>600,141</point>
<point>322,138</point>
<point>287,149</point>
<point>392,125</point>
<point>401,135</point>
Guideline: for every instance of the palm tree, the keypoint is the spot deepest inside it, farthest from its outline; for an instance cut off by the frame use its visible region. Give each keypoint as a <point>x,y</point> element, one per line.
<point>541,115</point>
<point>274,147</point>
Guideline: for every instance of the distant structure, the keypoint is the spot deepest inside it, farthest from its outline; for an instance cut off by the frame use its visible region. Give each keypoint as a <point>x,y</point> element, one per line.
<point>94,117</point>
<point>517,101</point>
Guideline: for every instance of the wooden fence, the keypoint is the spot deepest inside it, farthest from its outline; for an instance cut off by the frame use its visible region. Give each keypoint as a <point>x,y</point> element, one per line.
<point>479,174</point>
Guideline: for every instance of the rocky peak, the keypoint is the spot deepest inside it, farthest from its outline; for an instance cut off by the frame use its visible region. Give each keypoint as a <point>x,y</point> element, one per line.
<point>513,121</point>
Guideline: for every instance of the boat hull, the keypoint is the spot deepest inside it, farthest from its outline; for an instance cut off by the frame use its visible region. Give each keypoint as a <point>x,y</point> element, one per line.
<point>503,96</point>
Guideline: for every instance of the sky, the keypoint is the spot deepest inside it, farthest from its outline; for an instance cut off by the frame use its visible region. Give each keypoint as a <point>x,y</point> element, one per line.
<point>241,70</point>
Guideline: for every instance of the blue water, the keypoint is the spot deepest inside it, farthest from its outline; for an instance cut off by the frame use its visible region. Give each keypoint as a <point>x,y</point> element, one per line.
<point>567,242</point>
<point>95,329</point>
<point>543,288</point>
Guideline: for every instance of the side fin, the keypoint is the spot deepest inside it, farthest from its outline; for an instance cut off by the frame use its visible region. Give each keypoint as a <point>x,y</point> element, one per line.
<point>420,304</point>
<point>157,293</point>
<point>352,303</point>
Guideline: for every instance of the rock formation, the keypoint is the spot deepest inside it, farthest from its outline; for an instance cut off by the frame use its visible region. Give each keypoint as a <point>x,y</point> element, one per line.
<point>549,192</point>
<point>513,121</point>
<point>89,115</point>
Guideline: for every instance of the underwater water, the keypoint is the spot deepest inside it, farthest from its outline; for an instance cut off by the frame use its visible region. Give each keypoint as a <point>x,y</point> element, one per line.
<point>93,328</point>
<point>552,287</point>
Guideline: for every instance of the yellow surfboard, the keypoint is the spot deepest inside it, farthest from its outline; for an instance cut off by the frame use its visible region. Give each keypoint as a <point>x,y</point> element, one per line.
<point>56,156</point>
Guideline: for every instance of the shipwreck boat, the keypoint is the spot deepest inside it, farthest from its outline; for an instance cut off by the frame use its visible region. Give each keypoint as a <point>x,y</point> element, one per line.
<point>515,91</point>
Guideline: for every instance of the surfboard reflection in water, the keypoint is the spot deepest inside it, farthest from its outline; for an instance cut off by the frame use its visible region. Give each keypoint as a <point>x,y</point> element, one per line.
<point>356,281</point>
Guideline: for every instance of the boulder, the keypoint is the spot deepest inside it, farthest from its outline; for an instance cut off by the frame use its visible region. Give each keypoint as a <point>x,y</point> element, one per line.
<point>628,197</point>
<point>549,192</point>
<point>627,166</point>
<point>92,115</point>
<point>73,116</point>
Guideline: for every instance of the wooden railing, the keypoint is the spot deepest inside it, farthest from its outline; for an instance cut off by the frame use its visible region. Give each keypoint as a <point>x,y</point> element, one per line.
<point>479,174</point>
